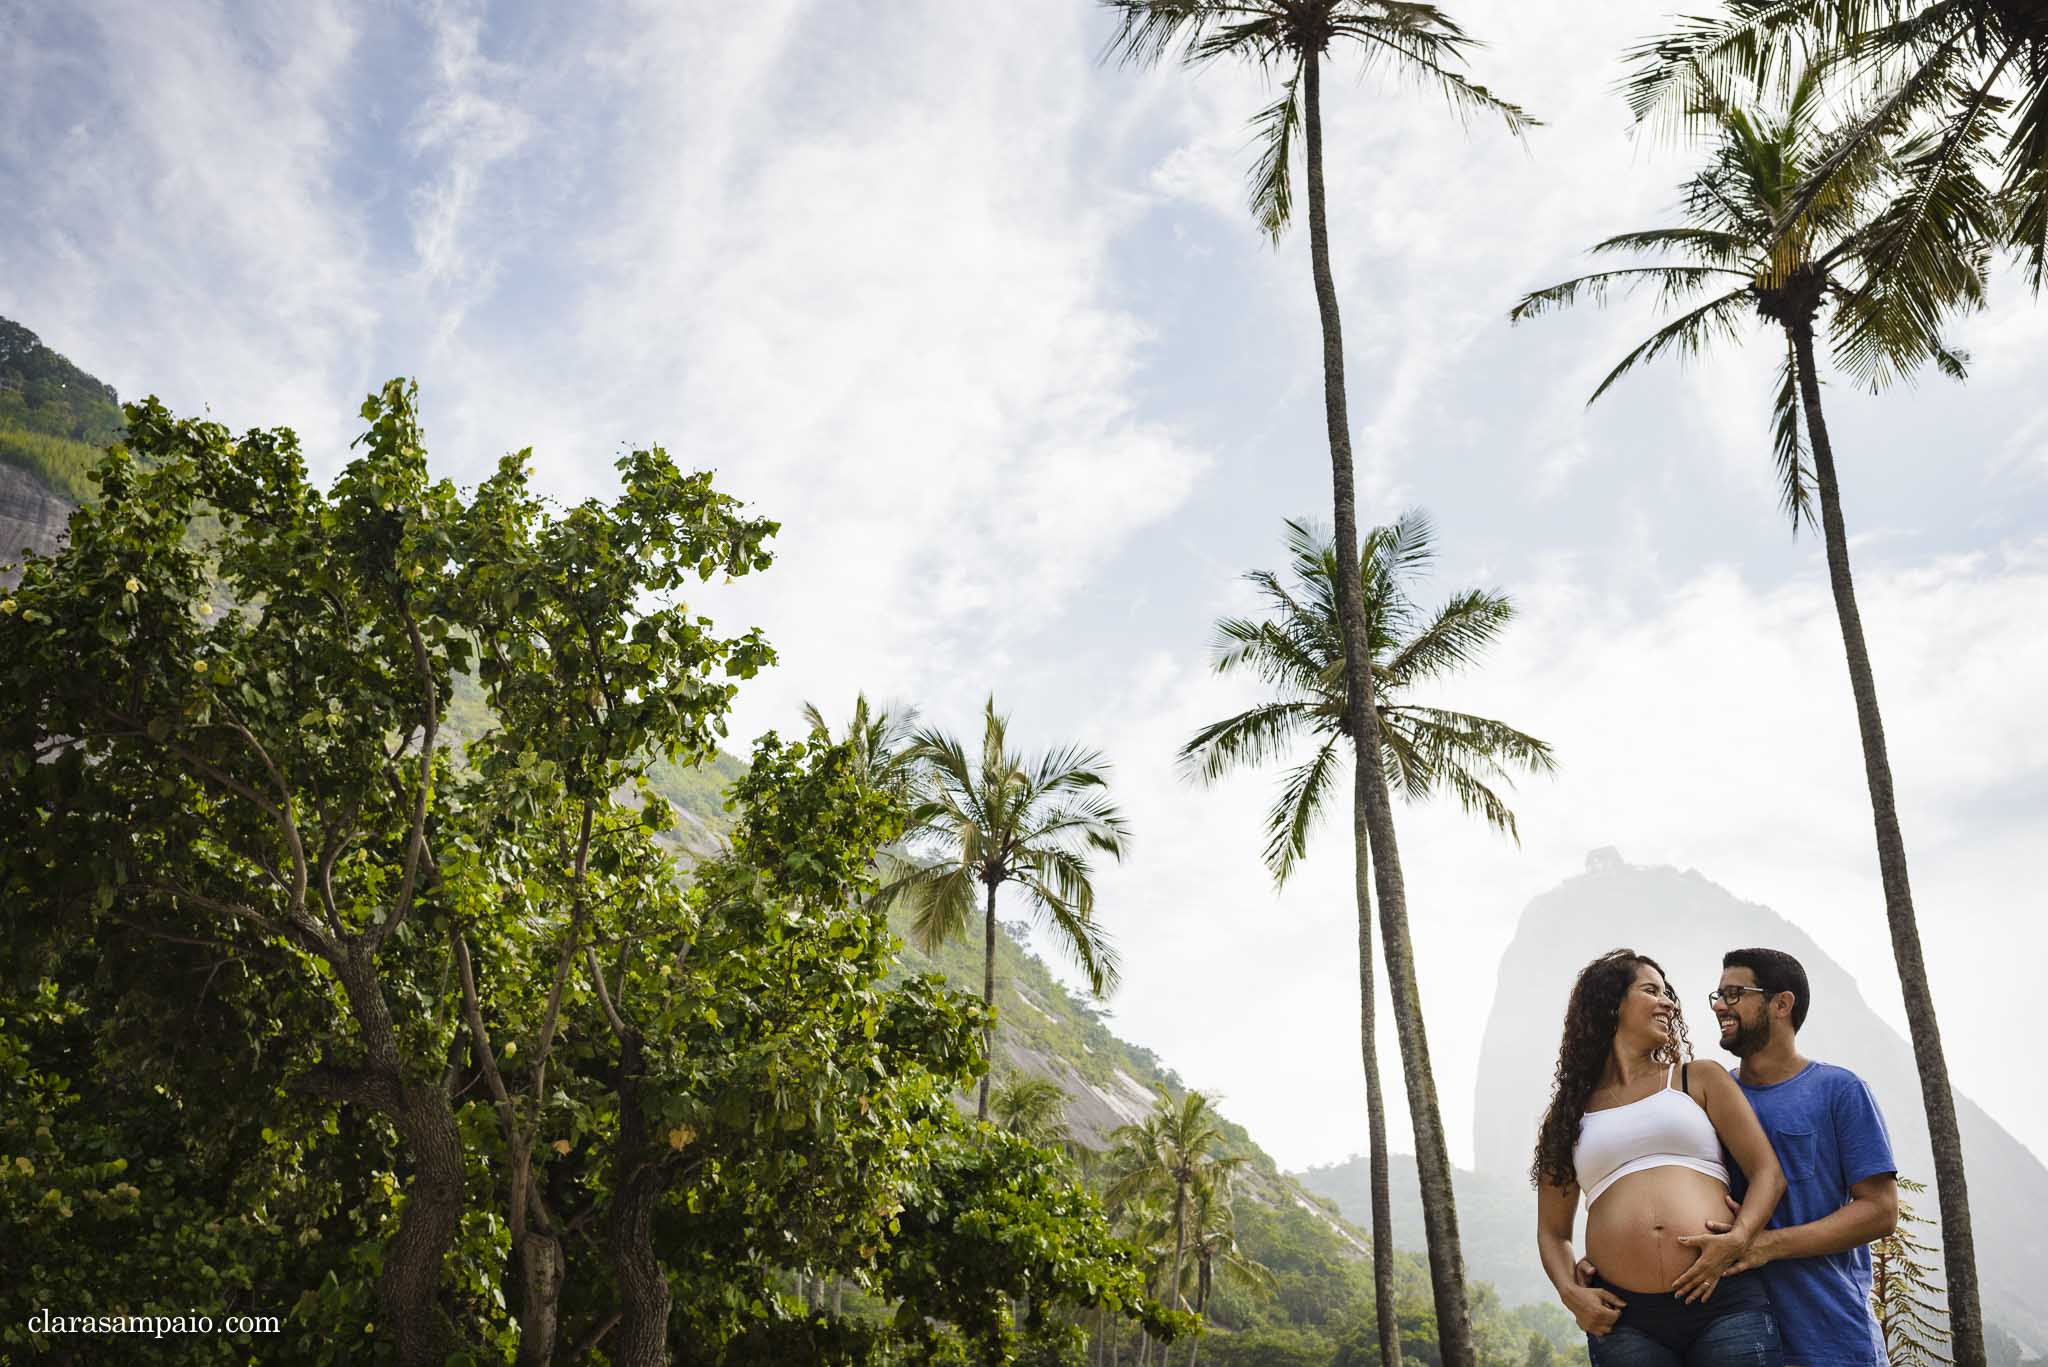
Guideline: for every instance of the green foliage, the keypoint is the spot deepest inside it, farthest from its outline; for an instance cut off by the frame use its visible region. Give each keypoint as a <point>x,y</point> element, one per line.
<point>999,818</point>
<point>1000,1220</point>
<point>1268,1346</point>
<point>54,418</point>
<point>41,391</point>
<point>1903,1293</point>
<point>1421,42</point>
<point>1967,72</point>
<point>61,463</point>
<point>307,1012</point>
<point>1766,245</point>
<point>1297,651</point>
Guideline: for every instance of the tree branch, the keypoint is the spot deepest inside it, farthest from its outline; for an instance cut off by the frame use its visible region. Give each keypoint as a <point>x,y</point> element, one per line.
<point>416,841</point>
<point>604,998</point>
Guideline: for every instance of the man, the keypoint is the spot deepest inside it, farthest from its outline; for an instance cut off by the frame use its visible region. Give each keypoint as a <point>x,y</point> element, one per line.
<point>1841,1187</point>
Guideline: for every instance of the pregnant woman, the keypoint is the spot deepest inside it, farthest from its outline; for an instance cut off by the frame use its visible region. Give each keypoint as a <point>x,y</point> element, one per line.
<point>1639,1127</point>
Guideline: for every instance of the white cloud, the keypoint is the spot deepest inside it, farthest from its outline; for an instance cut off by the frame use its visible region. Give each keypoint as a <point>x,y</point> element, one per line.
<point>182,232</point>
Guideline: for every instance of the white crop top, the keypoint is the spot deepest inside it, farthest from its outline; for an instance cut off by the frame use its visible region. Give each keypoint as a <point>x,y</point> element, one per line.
<point>1664,1129</point>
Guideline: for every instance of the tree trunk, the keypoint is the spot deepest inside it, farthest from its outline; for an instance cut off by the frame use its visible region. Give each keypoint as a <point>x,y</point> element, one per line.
<point>1439,1205</point>
<point>1958,1245</point>
<point>542,1270</point>
<point>1180,1240</point>
<point>643,1286</point>
<point>988,997</point>
<point>408,1288</point>
<point>1384,1309</point>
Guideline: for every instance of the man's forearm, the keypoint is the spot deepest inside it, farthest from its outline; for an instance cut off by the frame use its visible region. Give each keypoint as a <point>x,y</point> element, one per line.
<point>1852,1226</point>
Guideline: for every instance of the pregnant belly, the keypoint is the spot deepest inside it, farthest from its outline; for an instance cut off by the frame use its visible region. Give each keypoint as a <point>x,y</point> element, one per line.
<point>1632,1231</point>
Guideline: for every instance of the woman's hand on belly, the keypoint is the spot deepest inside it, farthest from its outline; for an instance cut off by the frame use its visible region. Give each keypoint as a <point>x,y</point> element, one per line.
<point>1633,1231</point>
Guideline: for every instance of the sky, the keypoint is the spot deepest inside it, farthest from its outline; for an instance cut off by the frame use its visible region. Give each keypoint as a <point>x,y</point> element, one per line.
<point>985,324</point>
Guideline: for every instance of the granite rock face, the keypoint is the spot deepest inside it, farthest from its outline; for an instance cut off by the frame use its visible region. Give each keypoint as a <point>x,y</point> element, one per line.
<point>1686,923</point>
<point>31,516</point>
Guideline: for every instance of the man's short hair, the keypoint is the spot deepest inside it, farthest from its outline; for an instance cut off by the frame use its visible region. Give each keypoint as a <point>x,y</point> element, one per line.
<point>1776,971</point>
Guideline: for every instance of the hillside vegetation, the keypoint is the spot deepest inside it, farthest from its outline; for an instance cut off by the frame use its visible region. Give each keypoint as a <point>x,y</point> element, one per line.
<point>54,418</point>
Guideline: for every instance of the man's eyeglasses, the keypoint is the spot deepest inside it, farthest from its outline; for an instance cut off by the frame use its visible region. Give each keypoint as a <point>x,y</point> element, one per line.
<point>1732,996</point>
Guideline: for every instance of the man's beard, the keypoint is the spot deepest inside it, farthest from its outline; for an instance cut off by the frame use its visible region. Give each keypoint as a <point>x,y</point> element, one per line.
<point>1747,1039</point>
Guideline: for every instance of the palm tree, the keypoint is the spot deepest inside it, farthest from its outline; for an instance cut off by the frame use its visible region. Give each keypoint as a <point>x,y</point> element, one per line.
<point>1172,1150</point>
<point>1297,649</point>
<point>1005,819</point>
<point>1766,249</point>
<point>1212,1220</point>
<point>1963,65</point>
<point>884,745</point>
<point>1291,38</point>
<point>1033,1108</point>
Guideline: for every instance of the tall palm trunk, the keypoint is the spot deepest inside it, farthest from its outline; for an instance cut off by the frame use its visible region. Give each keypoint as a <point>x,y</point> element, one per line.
<point>1439,1207</point>
<point>1201,1309</point>
<point>1958,1245</point>
<point>1375,1110</point>
<point>1180,1240</point>
<point>988,997</point>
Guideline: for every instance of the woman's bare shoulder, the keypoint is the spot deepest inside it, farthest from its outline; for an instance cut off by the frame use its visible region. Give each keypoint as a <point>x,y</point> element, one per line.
<point>1707,1077</point>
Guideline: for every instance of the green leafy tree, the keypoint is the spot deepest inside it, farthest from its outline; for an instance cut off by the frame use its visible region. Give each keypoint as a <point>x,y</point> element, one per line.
<point>1903,1291</point>
<point>271,778</point>
<point>593,670</point>
<point>264,779</point>
<point>776,1102</point>
<point>997,1221</point>
<point>1291,38</point>
<point>1001,819</point>
<point>1765,248</point>
<point>1297,650</point>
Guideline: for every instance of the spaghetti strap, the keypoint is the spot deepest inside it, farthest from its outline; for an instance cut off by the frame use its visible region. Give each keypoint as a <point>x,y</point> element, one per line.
<point>1668,1074</point>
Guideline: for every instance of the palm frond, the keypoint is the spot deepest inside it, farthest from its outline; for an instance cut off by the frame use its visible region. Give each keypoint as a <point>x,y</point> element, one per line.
<point>1463,626</point>
<point>1707,244</point>
<point>1272,175</point>
<point>1795,474</point>
<point>1674,283</point>
<point>942,902</point>
<point>1298,808</point>
<point>1746,47</point>
<point>1420,54</point>
<point>1252,738</point>
<point>1149,29</point>
<point>1688,335</point>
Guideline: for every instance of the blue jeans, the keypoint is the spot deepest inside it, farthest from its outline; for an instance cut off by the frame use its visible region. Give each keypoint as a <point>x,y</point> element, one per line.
<point>1748,1338</point>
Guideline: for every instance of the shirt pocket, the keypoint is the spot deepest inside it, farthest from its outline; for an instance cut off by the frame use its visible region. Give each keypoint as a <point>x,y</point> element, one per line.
<point>1796,1154</point>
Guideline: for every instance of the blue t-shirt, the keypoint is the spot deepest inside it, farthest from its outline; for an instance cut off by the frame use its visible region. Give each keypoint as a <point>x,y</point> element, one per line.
<point>1824,1126</point>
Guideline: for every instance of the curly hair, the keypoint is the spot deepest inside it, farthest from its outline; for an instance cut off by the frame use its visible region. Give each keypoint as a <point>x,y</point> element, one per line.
<point>1589,1022</point>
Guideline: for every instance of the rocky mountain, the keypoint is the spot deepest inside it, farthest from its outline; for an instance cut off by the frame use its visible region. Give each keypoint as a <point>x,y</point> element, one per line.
<point>1686,923</point>
<point>32,517</point>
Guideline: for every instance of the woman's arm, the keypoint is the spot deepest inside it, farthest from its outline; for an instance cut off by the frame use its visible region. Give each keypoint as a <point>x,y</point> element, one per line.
<point>1595,1309</point>
<point>1740,1133</point>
